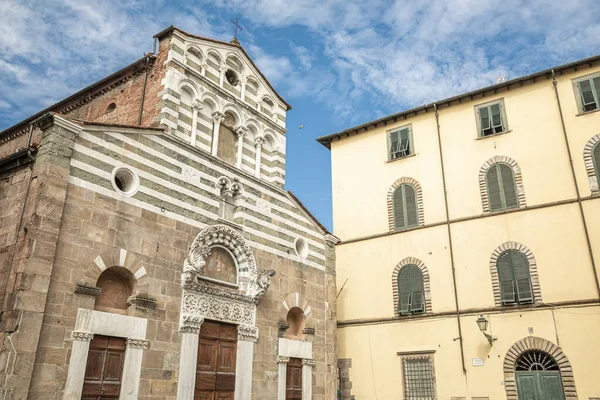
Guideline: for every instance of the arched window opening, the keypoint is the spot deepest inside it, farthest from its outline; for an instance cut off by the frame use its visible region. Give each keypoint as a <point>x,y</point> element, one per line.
<point>267,106</point>
<point>111,107</point>
<point>295,319</point>
<point>596,158</point>
<point>536,360</point>
<point>226,148</point>
<point>515,278</point>
<point>502,191</point>
<point>116,286</point>
<point>232,77</point>
<point>221,266</point>
<point>405,207</point>
<point>411,293</point>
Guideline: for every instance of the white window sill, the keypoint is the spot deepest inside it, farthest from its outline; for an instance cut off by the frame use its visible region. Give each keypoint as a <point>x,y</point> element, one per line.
<point>587,112</point>
<point>493,135</point>
<point>400,158</point>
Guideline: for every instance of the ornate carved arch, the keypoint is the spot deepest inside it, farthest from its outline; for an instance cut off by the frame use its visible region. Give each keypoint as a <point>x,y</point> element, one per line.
<point>518,180</point>
<point>390,203</point>
<point>536,343</point>
<point>426,286</point>
<point>118,258</point>
<point>533,272</point>
<point>588,159</point>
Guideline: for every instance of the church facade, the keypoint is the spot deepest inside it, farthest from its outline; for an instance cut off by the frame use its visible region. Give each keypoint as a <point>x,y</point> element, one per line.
<point>469,257</point>
<point>148,247</point>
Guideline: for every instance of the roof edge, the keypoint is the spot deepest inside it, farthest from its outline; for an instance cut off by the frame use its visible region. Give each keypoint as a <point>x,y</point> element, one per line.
<point>309,214</point>
<point>327,139</point>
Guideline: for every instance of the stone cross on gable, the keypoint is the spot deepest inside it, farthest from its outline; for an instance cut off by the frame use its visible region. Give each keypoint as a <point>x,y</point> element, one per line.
<point>237,26</point>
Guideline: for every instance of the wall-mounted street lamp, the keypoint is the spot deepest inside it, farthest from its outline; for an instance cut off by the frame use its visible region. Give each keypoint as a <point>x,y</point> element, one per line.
<point>483,325</point>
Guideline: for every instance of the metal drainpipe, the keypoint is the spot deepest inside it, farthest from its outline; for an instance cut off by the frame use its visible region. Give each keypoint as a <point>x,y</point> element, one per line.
<point>139,121</point>
<point>460,336</point>
<point>585,228</point>
<point>24,202</point>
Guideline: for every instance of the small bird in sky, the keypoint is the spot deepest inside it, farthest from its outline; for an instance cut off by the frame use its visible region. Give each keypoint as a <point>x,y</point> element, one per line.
<point>301,127</point>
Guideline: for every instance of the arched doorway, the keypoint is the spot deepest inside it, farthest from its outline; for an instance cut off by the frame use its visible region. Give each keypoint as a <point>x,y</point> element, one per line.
<point>538,377</point>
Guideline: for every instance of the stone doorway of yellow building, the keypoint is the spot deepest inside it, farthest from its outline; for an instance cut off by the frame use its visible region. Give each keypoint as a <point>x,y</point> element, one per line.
<point>538,377</point>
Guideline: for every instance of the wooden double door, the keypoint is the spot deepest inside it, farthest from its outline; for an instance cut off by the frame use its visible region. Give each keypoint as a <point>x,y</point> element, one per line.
<point>540,385</point>
<point>293,379</point>
<point>215,371</point>
<point>104,370</point>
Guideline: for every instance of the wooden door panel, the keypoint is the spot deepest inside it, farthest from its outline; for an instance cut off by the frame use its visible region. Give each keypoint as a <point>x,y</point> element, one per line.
<point>209,330</point>
<point>551,383</point>
<point>114,362</point>
<point>204,395</point>
<point>224,396</point>
<point>94,367</point>
<point>104,369</point>
<point>215,373</point>
<point>226,360</point>
<point>225,382</point>
<point>206,380</point>
<point>228,332</point>
<point>293,379</point>
<point>207,355</point>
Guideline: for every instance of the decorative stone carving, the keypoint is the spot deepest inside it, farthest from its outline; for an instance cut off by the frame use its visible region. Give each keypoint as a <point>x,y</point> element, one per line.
<point>309,362</point>
<point>241,131</point>
<point>194,264</point>
<point>200,306</point>
<point>190,323</point>
<point>83,336</point>
<point>138,343</point>
<point>88,290</point>
<point>218,117</point>
<point>282,360</point>
<point>308,331</point>
<point>248,333</point>
<point>258,286</point>
<point>145,303</point>
<point>197,105</point>
<point>259,141</point>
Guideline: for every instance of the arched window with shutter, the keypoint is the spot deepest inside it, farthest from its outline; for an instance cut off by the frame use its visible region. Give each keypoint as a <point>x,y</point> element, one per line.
<point>405,204</point>
<point>591,157</point>
<point>410,285</point>
<point>514,278</point>
<point>501,185</point>
<point>411,297</point>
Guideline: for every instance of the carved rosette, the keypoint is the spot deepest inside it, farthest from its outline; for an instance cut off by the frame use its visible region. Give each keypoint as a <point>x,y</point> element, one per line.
<point>82,336</point>
<point>282,360</point>
<point>248,333</point>
<point>196,305</point>
<point>309,362</point>
<point>137,344</point>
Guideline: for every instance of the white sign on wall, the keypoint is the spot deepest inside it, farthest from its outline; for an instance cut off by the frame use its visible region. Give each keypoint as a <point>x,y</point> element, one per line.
<point>478,362</point>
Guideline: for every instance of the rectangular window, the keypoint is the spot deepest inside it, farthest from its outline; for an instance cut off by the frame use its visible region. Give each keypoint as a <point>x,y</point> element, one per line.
<point>491,118</point>
<point>419,380</point>
<point>588,93</point>
<point>399,141</point>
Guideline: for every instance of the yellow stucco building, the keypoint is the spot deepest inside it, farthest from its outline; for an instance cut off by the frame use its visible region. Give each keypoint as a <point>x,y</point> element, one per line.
<point>470,244</point>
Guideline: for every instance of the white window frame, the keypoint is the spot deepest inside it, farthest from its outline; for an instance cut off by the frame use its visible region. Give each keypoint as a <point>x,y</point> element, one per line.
<point>504,120</point>
<point>577,92</point>
<point>410,148</point>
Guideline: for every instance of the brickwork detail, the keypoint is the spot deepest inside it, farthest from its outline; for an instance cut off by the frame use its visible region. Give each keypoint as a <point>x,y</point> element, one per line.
<point>589,163</point>
<point>518,180</point>
<point>536,343</point>
<point>426,283</point>
<point>390,202</point>
<point>533,272</point>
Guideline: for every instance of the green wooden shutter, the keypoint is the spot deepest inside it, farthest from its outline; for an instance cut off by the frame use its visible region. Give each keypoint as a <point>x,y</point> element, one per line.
<point>506,279</point>
<point>551,383</point>
<point>412,218</point>
<point>597,90</point>
<point>394,143</point>
<point>508,188</point>
<point>496,117</point>
<point>527,386</point>
<point>404,291</point>
<point>417,290</point>
<point>484,119</point>
<point>398,200</point>
<point>522,277</point>
<point>587,95</point>
<point>493,188</point>
<point>596,158</point>
<point>404,147</point>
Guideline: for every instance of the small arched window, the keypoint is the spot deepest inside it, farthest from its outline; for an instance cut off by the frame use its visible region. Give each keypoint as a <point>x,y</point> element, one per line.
<point>405,207</point>
<point>295,319</point>
<point>111,107</point>
<point>116,286</point>
<point>596,158</point>
<point>411,291</point>
<point>502,191</point>
<point>514,278</point>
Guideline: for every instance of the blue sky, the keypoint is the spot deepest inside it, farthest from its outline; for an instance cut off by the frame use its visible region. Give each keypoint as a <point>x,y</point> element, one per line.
<point>339,63</point>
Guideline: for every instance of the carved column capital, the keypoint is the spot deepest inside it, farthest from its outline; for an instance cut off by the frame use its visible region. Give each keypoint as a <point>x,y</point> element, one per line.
<point>82,336</point>
<point>218,117</point>
<point>241,131</point>
<point>309,362</point>
<point>137,344</point>
<point>282,360</point>
<point>248,333</point>
<point>259,141</point>
<point>197,105</point>
<point>203,65</point>
<point>190,324</point>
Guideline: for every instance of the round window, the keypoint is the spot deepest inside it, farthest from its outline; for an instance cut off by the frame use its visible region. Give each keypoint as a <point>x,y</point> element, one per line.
<point>301,248</point>
<point>125,180</point>
<point>231,77</point>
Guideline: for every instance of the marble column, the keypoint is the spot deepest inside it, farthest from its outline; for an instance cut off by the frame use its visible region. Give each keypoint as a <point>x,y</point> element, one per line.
<point>258,142</point>
<point>222,76</point>
<point>203,68</point>
<point>77,365</point>
<point>241,131</point>
<point>243,82</point>
<point>307,367</point>
<point>217,119</point>
<point>132,368</point>
<point>196,107</point>
<point>187,361</point>
<point>282,378</point>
